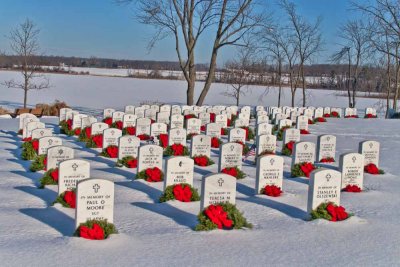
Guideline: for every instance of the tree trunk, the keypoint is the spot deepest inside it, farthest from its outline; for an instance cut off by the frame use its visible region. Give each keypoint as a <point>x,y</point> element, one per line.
<point>303,85</point>
<point>280,83</point>
<point>191,82</point>
<point>354,92</point>
<point>25,97</point>
<point>388,84</point>
<point>293,96</point>
<point>396,84</point>
<point>26,84</point>
<point>238,99</point>
<point>348,84</point>
<point>210,77</point>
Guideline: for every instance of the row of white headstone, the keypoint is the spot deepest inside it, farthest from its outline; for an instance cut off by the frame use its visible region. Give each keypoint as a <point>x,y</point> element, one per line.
<point>68,180</point>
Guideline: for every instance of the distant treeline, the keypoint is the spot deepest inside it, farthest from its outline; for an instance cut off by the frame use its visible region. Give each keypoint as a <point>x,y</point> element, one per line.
<point>328,76</point>
<point>7,61</point>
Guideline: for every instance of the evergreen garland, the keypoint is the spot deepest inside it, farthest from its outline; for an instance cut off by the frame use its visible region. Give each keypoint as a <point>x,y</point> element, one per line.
<point>239,221</point>
<point>47,179</point>
<point>28,153</point>
<point>169,194</point>
<point>108,228</point>
<point>38,164</point>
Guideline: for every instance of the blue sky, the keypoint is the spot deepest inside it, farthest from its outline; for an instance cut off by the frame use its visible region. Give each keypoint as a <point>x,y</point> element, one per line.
<point>103,29</point>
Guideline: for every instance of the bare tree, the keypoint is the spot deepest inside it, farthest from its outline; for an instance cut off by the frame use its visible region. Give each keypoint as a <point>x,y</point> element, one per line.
<point>272,40</point>
<point>356,37</point>
<point>24,43</point>
<point>387,14</point>
<point>385,46</point>
<point>307,37</point>
<point>238,73</point>
<point>187,20</point>
<point>236,18</point>
<point>290,52</point>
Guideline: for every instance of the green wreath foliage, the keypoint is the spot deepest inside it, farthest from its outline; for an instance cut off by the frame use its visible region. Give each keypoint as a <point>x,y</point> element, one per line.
<point>239,221</point>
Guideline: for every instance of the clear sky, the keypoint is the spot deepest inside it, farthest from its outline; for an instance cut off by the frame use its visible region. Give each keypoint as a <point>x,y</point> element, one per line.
<point>103,29</point>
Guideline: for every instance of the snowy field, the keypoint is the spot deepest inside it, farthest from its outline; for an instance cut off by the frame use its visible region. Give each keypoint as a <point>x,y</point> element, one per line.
<point>151,234</point>
<point>93,93</point>
<point>34,233</point>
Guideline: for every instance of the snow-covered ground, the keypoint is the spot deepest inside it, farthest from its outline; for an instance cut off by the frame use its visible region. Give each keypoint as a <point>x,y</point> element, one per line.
<point>33,233</point>
<point>89,93</point>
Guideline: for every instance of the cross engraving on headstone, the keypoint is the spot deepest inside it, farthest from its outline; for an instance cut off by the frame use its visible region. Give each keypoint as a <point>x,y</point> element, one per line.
<point>74,167</point>
<point>305,146</point>
<point>328,177</point>
<point>96,188</point>
<point>371,145</point>
<point>220,182</point>
<point>354,159</point>
<point>50,141</point>
<point>272,161</point>
<point>60,152</point>
<point>151,150</point>
<point>232,147</point>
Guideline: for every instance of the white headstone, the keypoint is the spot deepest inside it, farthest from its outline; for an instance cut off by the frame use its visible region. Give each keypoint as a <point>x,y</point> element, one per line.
<point>177,136</point>
<point>217,188</point>
<point>269,172</point>
<point>150,156</point>
<point>111,137</point>
<point>70,172</point>
<point>264,128</point>
<point>237,134</point>
<point>43,132</point>
<point>179,170</point>
<point>98,128</point>
<point>290,135</point>
<point>129,120</point>
<point>117,116</point>
<point>200,146</point>
<point>193,126</point>
<point>352,169</point>
<point>47,142</point>
<point>370,151</point>
<point>57,154</point>
<point>303,152</point>
<point>326,147</point>
<point>94,201</point>
<point>213,130</point>
<point>176,121</point>
<point>266,142</point>
<point>107,113</point>
<point>143,126</point>
<point>230,155</point>
<point>129,109</point>
<point>30,126</point>
<point>24,116</point>
<point>324,186</point>
<point>128,145</point>
<point>158,128</point>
